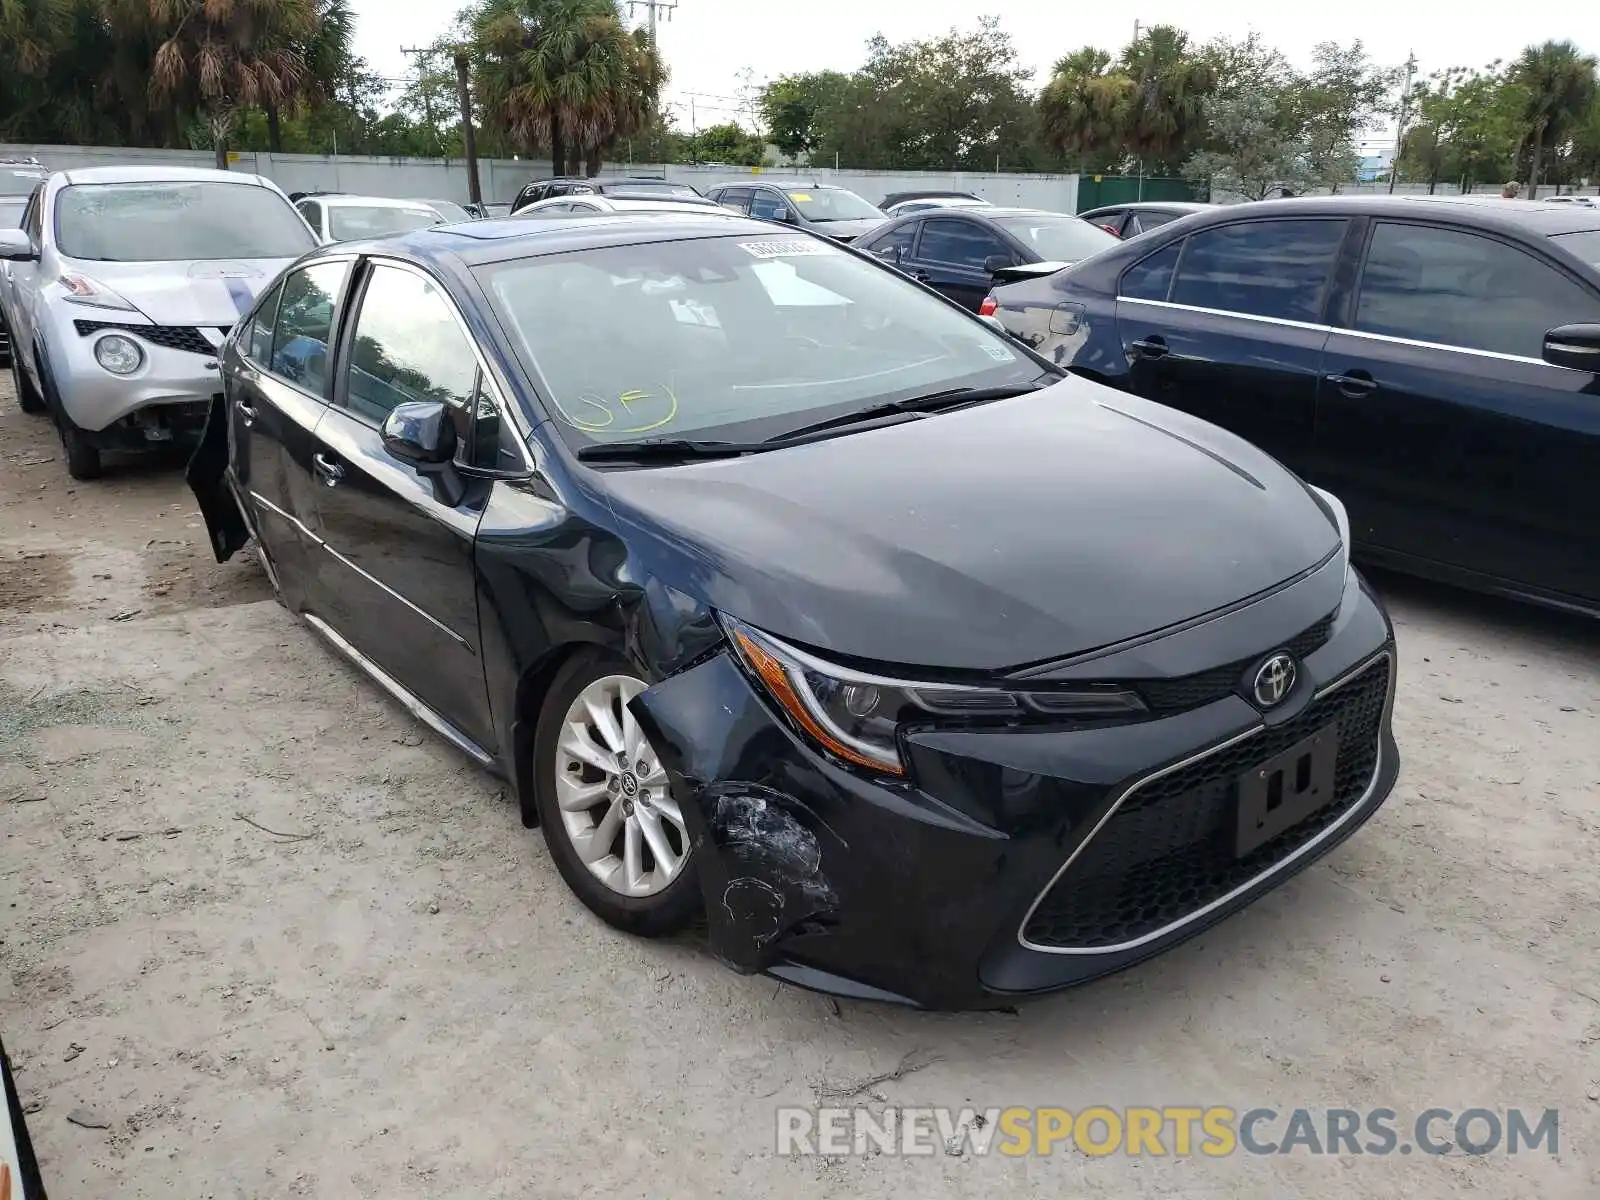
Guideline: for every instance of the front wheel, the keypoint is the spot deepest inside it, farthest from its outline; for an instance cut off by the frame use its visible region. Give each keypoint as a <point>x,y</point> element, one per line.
<point>83,456</point>
<point>28,398</point>
<point>614,828</point>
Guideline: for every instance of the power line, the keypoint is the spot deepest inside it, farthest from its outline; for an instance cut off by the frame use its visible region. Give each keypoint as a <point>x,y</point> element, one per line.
<point>652,6</point>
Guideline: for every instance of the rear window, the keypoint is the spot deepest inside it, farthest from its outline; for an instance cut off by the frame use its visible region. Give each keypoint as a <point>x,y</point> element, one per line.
<point>175,222</point>
<point>1585,245</point>
<point>1058,238</point>
<point>1274,269</point>
<point>355,222</point>
<point>671,191</point>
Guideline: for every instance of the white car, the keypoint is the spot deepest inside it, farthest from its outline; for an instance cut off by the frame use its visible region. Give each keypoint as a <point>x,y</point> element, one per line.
<point>564,205</point>
<point>923,203</point>
<point>339,218</point>
<point>119,289</point>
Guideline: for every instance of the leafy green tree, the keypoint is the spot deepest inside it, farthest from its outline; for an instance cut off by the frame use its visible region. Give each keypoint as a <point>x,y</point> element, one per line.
<point>794,108</point>
<point>728,143</point>
<point>1344,96</point>
<point>1558,87</point>
<point>1084,110</point>
<point>1163,112</point>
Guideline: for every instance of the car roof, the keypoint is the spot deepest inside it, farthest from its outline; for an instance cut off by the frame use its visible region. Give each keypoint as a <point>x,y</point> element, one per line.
<point>498,239</point>
<point>159,173</point>
<point>1177,206</point>
<point>991,211</point>
<point>1478,209</point>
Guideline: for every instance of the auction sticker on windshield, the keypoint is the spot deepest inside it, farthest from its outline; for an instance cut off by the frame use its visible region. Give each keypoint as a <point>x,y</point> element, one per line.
<point>785,248</point>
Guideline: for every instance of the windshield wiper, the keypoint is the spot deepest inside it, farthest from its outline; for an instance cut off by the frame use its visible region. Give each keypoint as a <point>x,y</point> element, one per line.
<point>931,403</point>
<point>654,449</point>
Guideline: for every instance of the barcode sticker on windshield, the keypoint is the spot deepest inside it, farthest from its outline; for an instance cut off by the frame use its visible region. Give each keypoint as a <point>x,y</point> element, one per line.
<point>785,248</point>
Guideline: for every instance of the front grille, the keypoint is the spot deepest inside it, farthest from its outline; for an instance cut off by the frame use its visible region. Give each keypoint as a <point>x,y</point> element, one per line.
<point>1168,849</point>
<point>173,337</point>
<point>1166,696</point>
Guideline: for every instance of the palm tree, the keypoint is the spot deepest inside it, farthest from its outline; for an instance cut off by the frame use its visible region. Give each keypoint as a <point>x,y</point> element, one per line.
<point>1558,85</point>
<point>1166,108</point>
<point>563,73</point>
<point>1083,108</point>
<point>219,56</point>
<point>327,58</point>
<point>54,55</point>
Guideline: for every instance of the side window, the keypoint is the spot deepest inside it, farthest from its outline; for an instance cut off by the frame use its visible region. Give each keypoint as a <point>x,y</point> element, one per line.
<point>1146,221</point>
<point>768,206</point>
<point>312,212</point>
<point>305,325</point>
<point>1111,222</point>
<point>1151,277</point>
<point>735,199</point>
<point>959,243</point>
<point>259,347</point>
<point>901,238</point>
<point>407,346</point>
<point>1460,289</point>
<point>33,219</point>
<point>578,206</point>
<point>1276,269</point>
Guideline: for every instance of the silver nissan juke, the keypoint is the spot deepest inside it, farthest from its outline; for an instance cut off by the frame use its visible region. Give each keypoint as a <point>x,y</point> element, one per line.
<point>119,288</point>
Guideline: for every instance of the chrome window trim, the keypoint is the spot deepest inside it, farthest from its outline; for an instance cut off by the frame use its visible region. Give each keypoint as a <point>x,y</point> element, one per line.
<point>1315,327</point>
<point>490,379</point>
<point>322,544</point>
<point>1282,864</point>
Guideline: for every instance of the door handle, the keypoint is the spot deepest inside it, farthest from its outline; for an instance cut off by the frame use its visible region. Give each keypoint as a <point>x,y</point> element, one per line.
<point>1150,347</point>
<point>246,414</point>
<point>1354,383</point>
<point>327,470</point>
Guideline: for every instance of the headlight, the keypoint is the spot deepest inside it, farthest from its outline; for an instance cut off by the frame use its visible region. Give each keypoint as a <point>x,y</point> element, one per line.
<point>857,716</point>
<point>80,289</point>
<point>1332,505</point>
<point>118,354</point>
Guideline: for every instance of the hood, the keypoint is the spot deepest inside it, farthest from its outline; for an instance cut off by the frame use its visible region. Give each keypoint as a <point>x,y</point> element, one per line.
<point>848,231</point>
<point>1011,533</point>
<point>215,293</point>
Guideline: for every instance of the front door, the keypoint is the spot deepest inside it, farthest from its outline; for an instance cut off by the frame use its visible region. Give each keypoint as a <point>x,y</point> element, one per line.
<point>1227,325</point>
<point>1440,425</point>
<point>396,577</point>
<point>275,397</point>
<point>950,257</point>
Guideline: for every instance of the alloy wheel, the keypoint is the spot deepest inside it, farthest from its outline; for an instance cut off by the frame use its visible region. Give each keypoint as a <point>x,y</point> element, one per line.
<point>612,791</point>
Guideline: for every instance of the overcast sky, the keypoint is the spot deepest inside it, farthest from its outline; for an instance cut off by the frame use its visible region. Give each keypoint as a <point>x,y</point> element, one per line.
<point>708,43</point>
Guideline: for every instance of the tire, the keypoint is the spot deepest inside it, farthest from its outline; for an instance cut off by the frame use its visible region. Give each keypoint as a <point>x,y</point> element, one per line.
<point>661,896</point>
<point>83,457</point>
<point>28,398</point>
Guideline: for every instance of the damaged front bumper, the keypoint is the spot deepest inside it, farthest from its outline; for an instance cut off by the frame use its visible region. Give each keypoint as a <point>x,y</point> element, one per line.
<point>1011,860</point>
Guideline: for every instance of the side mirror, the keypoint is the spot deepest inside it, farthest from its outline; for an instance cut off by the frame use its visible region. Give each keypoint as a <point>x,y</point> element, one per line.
<point>16,246</point>
<point>998,262</point>
<point>420,433</point>
<point>1574,346</point>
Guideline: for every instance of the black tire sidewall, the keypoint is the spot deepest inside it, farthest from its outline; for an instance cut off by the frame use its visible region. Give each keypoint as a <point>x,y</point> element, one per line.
<point>669,910</point>
<point>28,399</point>
<point>83,456</point>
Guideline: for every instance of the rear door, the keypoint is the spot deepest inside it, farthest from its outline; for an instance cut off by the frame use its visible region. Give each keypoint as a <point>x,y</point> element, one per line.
<point>396,579</point>
<point>950,257</point>
<point>1228,325</point>
<point>1440,425</point>
<point>276,397</point>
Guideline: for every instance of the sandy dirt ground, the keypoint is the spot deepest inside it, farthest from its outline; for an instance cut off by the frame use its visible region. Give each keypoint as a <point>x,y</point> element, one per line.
<point>393,995</point>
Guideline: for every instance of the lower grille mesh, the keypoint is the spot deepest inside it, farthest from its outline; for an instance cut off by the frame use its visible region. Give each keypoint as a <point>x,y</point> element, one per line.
<point>1169,849</point>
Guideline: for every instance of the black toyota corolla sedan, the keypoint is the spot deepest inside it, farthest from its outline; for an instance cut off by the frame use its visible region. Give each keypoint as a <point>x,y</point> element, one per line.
<point>786,591</point>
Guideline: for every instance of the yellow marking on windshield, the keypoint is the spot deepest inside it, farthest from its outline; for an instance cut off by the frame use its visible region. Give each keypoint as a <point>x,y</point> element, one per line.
<point>599,415</point>
<point>800,197</point>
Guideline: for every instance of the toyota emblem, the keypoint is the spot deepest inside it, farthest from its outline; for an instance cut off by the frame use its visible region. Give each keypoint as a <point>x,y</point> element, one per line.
<point>1274,680</point>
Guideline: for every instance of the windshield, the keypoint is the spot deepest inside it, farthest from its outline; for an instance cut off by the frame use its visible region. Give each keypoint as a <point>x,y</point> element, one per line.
<point>736,338</point>
<point>833,204</point>
<point>1585,245</point>
<point>449,210</point>
<point>1057,238</point>
<point>355,222</point>
<point>175,222</point>
<point>11,210</point>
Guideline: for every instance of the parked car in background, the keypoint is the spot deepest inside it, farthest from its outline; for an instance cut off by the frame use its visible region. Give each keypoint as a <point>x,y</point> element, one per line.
<point>335,217</point>
<point>449,210</point>
<point>11,209</point>
<point>1130,220</point>
<point>487,211</point>
<point>1431,360</point>
<point>545,189</point>
<point>749,600</point>
<point>120,287</point>
<point>1589,201</point>
<point>927,202</point>
<point>894,198</point>
<point>580,205</point>
<point>961,252</point>
<point>834,212</point>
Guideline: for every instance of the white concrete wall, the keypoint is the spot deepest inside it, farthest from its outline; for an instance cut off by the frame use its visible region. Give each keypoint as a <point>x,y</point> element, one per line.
<point>500,179</point>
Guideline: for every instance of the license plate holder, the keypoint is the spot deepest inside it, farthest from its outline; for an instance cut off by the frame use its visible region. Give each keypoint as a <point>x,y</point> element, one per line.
<point>1278,794</point>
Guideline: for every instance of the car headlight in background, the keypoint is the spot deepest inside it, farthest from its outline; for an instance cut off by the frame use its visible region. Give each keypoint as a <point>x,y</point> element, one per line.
<point>857,716</point>
<point>119,355</point>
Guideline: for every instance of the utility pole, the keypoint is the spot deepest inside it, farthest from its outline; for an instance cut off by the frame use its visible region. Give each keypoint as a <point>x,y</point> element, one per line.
<point>694,135</point>
<point>1136,28</point>
<point>1401,118</point>
<point>651,7</point>
<point>468,138</point>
